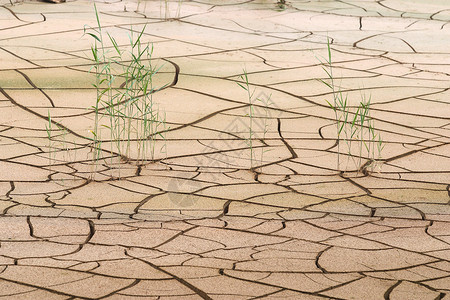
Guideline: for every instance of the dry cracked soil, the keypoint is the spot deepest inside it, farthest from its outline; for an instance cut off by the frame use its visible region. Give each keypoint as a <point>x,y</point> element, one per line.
<point>272,206</point>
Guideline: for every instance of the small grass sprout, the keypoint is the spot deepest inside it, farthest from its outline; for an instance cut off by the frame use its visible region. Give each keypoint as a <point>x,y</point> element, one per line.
<point>164,9</point>
<point>256,121</point>
<point>48,129</point>
<point>58,143</point>
<point>250,98</point>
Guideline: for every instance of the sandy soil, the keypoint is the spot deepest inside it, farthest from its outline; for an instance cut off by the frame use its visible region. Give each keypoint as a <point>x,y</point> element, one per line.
<point>222,211</point>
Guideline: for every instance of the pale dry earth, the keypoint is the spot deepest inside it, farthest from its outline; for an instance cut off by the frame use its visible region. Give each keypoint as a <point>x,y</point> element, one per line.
<point>198,222</point>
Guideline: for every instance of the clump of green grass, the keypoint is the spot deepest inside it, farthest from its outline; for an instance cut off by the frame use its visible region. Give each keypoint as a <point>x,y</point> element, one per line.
<point>354,126</point>
<point>132,118</point>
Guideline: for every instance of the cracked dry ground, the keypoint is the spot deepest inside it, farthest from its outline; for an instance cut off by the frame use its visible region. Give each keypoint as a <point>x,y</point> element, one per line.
<point>196,223</point>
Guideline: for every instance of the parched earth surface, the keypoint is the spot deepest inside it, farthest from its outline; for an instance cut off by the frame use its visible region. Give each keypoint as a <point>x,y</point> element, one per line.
<point>223,211</point>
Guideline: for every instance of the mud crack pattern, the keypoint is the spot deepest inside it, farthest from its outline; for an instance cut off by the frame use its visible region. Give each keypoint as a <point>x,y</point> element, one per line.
<point>196,223</point>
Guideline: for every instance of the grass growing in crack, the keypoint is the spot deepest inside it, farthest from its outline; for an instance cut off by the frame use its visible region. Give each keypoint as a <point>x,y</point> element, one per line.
<point>132,118</point>
<point>250,93</point>
<point>48,129</point>
<point>164,9</point>
<point>354,125</point>
<point>58,144</point>
<point>178,15</point>
<point>266,103</point>
<point>252,133</point>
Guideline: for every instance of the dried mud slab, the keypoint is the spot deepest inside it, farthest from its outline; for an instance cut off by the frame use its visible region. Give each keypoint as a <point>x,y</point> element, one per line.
<point>214,216</point>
